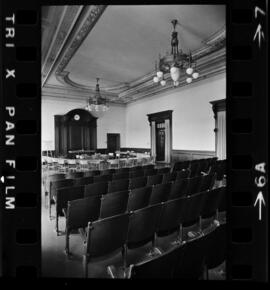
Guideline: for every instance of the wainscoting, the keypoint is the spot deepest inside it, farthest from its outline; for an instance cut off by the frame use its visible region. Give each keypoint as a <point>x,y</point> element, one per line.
<point>182,155</point>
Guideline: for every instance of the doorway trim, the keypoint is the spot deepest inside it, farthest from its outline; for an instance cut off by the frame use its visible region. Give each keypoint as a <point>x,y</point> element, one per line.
<point>118,139</point>
<point>160,117</point>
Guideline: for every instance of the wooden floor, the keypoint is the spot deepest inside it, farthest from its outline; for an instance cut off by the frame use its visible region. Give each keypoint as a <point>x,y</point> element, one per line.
<point>56,264</point>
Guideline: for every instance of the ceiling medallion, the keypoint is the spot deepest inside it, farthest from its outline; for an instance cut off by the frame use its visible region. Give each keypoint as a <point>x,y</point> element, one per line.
<point>97,105</point>
<point>175,62</point>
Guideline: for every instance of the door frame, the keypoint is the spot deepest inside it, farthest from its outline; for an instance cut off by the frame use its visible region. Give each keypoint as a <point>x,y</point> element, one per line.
<point>153,119</point>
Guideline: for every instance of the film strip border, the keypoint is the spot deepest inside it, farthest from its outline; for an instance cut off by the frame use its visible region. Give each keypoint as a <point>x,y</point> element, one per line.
<point>247,140</point>
<point>246,131</point>
<point>20,139</point>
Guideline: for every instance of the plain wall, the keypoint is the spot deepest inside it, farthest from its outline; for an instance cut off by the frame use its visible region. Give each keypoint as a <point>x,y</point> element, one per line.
<point>112,122</point>
<point>192,118</point>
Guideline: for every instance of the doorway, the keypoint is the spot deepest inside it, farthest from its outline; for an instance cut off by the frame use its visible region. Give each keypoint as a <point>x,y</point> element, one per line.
<point>160,141</point>
<point>113,142</point>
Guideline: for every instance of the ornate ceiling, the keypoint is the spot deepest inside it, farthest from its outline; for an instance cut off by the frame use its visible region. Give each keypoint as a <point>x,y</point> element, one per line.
<point>120,44</point>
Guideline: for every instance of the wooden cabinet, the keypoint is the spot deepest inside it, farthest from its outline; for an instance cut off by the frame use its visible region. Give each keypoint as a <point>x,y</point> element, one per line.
<point>77,130</point>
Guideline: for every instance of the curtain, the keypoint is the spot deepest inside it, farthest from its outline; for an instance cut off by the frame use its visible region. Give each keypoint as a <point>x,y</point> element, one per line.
<point>167,141</point>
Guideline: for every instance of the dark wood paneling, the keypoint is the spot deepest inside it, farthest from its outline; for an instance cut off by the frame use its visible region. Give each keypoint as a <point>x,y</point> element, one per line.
<point>181,155</point>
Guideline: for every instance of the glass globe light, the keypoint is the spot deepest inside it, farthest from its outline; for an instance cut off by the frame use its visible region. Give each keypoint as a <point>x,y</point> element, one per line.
<point>163,83</point>
<point>155,79</point>
<point>175,73</point>
<point>160,74</point>
<point>189,70</point>
<point>189,80</point>
<point>195,75</point>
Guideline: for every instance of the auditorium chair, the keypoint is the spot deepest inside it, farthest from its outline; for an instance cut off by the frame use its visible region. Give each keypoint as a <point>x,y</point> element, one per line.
<point>79,212</point>
<point>136,168</point>
<point>118,185</point>
<point>178,188</point>
<point>104,237</point>
<point>180,165</point>
<point>171,218</point>
<point>158,267</point>
<point>100,188</point>
<point>102,178</point>
<point>137,182</point>
<point>194,205</point>
<point>75,174</point>
<point>83,180</point>
<point>63,195</point>
<point>160,193</point>
<point>91,173</point>
<point>136,173</point>
<point>149,166</point>
<point>117,176</point>
<point>150,171</point>
<point>113,204</point>
<point>191,264</point>
<point>207,182</point>
<point>184,173</point>
<point>108,171</point>
<point>154,179</point>
<point>169,177</point>
<point>194,185</point>
<point>193,168</point>
<point>54,185</point>
<point>142,227</point>
<point>123,170</point>
<point>163,170</point>
<point>139,198</point>
<point>53,177</point>
<point>216,248</point>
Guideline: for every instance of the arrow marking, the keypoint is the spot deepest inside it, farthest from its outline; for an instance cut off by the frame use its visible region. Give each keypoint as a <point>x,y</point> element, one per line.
<point>261,200</point>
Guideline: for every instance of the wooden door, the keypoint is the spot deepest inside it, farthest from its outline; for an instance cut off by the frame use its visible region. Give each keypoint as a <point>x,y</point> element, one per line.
<point>160,141</point>
<point>113,142</point>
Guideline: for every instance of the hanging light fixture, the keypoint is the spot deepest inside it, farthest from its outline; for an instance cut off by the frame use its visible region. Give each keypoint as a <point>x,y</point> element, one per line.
<point>175,62</point>
<point>97,105</point>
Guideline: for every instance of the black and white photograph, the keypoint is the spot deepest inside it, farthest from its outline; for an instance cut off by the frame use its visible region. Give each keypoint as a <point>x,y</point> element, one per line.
<point>133,136</point>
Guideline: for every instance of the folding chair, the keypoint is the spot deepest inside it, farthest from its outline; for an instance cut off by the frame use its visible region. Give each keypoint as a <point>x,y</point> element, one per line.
<point>179,188</point>
<point>113,229</point>
<point>100,188</point>
<point>154,179</point>
<point>113,204</point>
<point>137,182</point>
<point>79,212</point>
<point>169,177</point>
<point>54,185</point>
<point>160,193</point>
<point>142,227</point>
<point>191,264</point>
<point>139,198</point>
<point>118,185</point>
<point>63,195</point>
<point>83,181</point>
<point>158,267</point>
<point>102,178</point>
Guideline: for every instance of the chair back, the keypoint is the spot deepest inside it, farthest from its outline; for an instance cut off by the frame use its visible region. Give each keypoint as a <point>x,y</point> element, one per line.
<point>194,185</point>
<point>150,171</point>
<point>101,178</point>
<point>118,185</point>
<point>136,173</point>
<point>75,174</point>
<point>100,188</point>
<point>118,175</point>
<point>179,188</point>
<point>160,193</point>
<point>83,180</point>
<point>81,211</point>
<point>107,235</point>
<point>154,179</point>
<point>184,173</point>
<point>54,185</point>
<point>137,182</point>
<point>163,170</point>
<point>139,198</point>
<point>169,177</point>
<point>113,204</point>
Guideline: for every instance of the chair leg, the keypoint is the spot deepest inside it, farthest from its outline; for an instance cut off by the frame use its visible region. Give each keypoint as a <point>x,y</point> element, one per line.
<point>85,265</point>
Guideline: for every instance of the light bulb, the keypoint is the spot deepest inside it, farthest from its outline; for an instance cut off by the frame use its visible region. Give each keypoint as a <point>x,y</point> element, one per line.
<point>163,83</point>
<point>189,70</point>
<point>195,75</point>
<point>155,79</point>
<point>160,74</point>
<point>175,73</point>
<point>189,80</point>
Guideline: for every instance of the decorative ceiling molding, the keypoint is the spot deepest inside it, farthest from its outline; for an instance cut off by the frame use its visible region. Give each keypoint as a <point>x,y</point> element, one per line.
<point>64,27</point>
<point>84,25</point>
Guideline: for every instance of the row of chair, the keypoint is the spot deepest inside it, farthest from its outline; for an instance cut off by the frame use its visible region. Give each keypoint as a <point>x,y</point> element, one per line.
<point>65,190</point>
<point>187,261</point>
<point>133,229</point>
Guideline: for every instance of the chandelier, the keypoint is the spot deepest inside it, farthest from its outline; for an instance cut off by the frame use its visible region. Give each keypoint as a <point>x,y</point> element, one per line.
<point>97,105</point>
<point>175,62</point>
